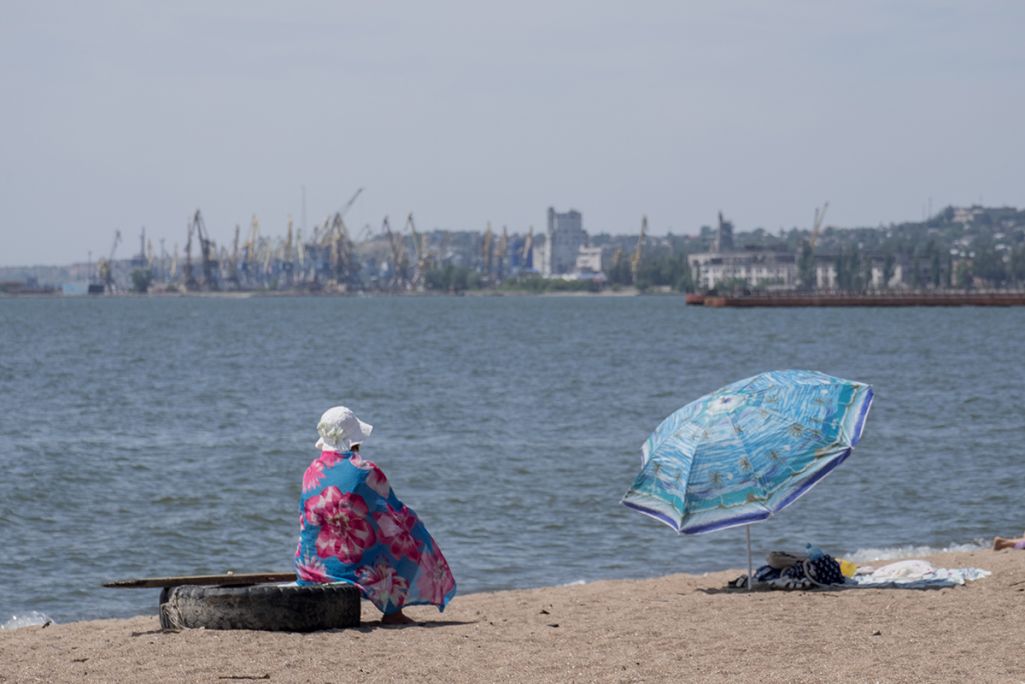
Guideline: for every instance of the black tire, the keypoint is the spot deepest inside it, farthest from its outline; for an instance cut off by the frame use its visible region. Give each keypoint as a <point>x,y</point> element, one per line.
<point>273,607</point>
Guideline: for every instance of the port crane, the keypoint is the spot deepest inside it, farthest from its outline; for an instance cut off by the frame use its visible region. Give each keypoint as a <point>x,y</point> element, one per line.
<point>617,261</point>
<point>635,260</point>
<point>141,260</point>
<point>400,262</point>
<point>444,255</point>
<point>342,250</point>
<point>487,252</point>
<point>352,200</point>
<point>105,267</point>
<point>500,252</point>
<point>420,245</point>
<point>528,247</point>
<point>164,260</point>
<point>208,252</point>
<point>233,270</point>
<point>287,262</point>
<point>331,248</point>
<point>820,215</point>
<point>250,265</point>
<point>336,244</point>
<point>190,277</point>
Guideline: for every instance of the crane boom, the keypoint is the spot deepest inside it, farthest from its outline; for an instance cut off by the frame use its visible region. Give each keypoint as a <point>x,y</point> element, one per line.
<point>820,215</point>
<point>398,255</point>
<point>208,252</point>
<point>501,251</point>
<point>635,260</point>
<point>105,267</point>
<point>190,278</point>
<point>336,236</point>
<point>234,258</point>
<point>113,247</point>
<point>352,200</point>
<point>487,251</point>
<point>421,251</point>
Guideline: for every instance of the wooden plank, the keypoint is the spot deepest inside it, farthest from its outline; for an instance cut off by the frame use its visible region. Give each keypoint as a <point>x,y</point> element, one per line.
<point>228,579</point>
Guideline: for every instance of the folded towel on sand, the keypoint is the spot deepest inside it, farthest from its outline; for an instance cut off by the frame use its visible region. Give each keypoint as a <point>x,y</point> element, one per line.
<point>916,574</point>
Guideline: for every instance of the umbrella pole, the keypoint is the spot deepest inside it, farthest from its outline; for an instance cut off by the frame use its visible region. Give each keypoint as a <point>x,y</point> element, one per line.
<point>750,574</point>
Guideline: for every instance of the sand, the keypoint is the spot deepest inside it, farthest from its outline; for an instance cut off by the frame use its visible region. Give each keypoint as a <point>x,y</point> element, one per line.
<point>680,627</point>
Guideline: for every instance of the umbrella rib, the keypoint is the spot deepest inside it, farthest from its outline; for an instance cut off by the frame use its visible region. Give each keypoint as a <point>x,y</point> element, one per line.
<point>696,420</point>
<point>750,458</point>
<point>687,477</point>
<point>771,388</point>
<point>817,444</point>
<point>791,421</point>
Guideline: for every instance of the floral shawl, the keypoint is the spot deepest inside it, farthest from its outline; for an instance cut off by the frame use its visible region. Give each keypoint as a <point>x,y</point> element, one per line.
<point>354,529</point>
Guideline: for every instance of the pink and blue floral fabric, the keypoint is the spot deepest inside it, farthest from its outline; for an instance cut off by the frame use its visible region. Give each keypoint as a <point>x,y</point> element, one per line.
<point>354,529</point>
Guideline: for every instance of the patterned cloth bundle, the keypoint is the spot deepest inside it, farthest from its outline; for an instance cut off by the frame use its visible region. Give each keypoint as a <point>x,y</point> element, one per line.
<point>790,571</point>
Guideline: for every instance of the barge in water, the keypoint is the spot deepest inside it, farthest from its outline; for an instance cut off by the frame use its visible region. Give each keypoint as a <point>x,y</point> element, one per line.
<point>794,299</point>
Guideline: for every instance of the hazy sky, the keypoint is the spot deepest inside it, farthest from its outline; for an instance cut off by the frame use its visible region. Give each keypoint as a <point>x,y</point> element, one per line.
<point>129,114</point>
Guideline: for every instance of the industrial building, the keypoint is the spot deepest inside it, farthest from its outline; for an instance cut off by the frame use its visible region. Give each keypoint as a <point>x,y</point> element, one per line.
<point>564,237</point>
<point>726,266</point>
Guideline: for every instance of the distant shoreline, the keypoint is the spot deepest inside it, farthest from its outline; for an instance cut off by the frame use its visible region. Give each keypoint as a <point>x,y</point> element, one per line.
<point>625,292</point>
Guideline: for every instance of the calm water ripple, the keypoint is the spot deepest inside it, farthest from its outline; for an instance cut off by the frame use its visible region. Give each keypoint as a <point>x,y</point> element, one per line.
<point>168,436</point>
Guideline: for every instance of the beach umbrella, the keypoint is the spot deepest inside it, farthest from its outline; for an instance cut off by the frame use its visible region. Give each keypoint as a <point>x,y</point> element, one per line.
<point>748,450</point>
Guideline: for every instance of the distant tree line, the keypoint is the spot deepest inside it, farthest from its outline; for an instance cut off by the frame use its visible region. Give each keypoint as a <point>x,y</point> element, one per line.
<point>956,248</point>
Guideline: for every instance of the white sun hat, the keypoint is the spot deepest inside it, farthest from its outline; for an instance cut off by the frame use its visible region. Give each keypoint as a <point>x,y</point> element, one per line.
<point>340,429</point>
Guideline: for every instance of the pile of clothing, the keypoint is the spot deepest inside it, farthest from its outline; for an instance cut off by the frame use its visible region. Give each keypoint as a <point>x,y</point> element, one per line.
<point>788,570</point>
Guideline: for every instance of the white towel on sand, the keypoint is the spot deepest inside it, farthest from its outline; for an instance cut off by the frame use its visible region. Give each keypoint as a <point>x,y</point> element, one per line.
<point>917,574</point>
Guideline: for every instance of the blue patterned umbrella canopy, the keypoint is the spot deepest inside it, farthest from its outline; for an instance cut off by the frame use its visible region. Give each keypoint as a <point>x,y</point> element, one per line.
<point>748,450</point>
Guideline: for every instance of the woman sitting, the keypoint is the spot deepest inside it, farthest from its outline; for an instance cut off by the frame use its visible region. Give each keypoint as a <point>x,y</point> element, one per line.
<point>354,529</point>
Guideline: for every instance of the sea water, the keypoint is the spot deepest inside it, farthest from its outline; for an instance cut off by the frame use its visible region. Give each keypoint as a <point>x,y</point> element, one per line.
<point>166,436</point>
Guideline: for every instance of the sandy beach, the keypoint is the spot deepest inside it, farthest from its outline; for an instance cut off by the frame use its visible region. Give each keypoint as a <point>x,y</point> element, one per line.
<point>680,627</point>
